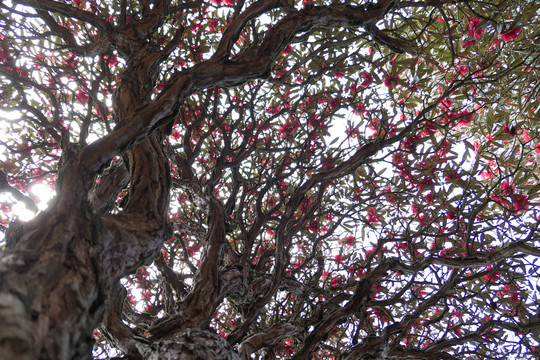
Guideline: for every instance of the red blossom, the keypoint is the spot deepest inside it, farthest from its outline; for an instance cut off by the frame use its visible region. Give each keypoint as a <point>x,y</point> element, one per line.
<point>224,2</point>
<point>70,61</point>
<point>446,104</point>
<point>339,259</point>
<point>430,198</point>
<point>272,110</point>
<point>337,281</point>
<point>349,240</point>
<point>412,86</point>
<point>287,128</point>
<point>391,80</point>
<point>475,28</point>
<point>175,135</point>
<point>328,163</point>
<point>486,174</point>
<point>314,225</point>
<point>475,31</point>
<point>82,96</point>
<point>510,130</point>
<point>339,72</point>
<point>287,50</point>
<point>493,277</point>
<point>368,80</point>
<point>22,72</point>
<point>462,70</point>
<point>360,109</point>
<point>520,202</point>
<point>372,216</point>
<point>213,24</point>
<point>510,35</point>
<point>507,188</point>
<point>3,56</point>
<point>467,44</point>
<point>111,60</point>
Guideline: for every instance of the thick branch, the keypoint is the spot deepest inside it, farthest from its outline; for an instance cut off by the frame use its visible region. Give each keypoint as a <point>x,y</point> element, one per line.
<point>69,38</point>
<point>355,304</point>
<point>267,339</point>
<point>26,200</point>
<point>236,26</point>
<point>112,326</point>
<point>69,11</point>
<point>199,304</point>
<point>219,72</point>
<point>104,195</point>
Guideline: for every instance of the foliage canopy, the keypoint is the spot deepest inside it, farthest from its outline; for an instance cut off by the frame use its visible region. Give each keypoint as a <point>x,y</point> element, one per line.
<point>271,179</point>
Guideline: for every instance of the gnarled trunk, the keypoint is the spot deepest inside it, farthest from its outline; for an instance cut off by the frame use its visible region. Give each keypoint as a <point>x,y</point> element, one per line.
<point>58,269</point>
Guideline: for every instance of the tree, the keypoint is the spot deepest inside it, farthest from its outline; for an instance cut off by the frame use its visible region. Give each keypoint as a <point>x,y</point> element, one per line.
<point>270,179</point>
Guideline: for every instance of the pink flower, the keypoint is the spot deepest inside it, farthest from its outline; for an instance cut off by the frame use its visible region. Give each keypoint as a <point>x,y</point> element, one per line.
<point>213,24</point>
<point>3,56</point>
<point>525,136</point>
<point>82,96</point>
<point>360,109</point>
<point>507,188</point>
<point>111,60</point>
<point>510,35</point>
<point>339,72</point>
<point>391,80</point>
<point>368,80</point>
<point>486,175</point>
<point>521,202</point>
<point>510,130</point>
<point>225,2</point>
<point>467,44</point>
<point>339,259</point>
<point>287,50</point>
<point>175,135</point>
<point>336,281</point>
<point>372,216</point>
<point>492,277</point>
<point>349,240</point>
<point>475,30</point>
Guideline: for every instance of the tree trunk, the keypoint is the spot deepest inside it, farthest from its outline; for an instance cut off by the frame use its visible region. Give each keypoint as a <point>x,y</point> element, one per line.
<point>58,269</point>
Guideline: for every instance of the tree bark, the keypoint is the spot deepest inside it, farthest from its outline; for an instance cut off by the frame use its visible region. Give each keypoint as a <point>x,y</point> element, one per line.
<point>58,269</point>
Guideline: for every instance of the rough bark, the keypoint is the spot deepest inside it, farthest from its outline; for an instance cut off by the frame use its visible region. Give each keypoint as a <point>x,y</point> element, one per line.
<point>58,269</point>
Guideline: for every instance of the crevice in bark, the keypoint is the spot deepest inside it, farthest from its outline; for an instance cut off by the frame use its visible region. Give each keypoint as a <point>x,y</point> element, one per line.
<point>104,194</point>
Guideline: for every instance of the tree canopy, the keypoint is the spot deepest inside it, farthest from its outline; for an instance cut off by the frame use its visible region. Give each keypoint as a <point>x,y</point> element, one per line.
<point>270,179</point>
